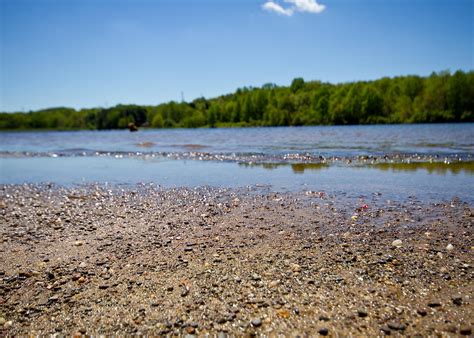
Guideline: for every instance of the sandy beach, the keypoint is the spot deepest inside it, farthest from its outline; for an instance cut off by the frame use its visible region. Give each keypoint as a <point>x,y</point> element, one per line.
<point>145,260</point>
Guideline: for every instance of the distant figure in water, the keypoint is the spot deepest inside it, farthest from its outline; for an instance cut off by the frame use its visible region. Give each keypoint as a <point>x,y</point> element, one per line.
<point>132,127</point>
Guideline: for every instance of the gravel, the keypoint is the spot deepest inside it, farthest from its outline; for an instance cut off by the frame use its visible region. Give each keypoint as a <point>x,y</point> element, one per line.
<point>256,263</point>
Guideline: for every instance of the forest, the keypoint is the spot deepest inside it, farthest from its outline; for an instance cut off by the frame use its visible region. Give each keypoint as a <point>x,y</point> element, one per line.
<point>440,97</point>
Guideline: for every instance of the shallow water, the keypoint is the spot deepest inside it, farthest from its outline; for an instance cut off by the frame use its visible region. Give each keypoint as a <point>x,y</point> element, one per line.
<point>442,167</point>
<point>441,185</point>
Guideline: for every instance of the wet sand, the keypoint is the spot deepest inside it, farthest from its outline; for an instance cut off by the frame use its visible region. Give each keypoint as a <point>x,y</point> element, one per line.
<point>145,260</point>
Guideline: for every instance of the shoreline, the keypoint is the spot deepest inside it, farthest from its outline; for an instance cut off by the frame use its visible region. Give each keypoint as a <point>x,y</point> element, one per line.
<point>109,260</point>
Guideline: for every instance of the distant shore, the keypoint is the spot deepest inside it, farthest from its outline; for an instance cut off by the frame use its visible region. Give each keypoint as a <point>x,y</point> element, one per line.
<point>440,97</point>
<point>108,260</point>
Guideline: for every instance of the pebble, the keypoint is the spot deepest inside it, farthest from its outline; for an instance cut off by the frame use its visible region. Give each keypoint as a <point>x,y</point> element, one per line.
<point>362,313</point>
<point>296,267</point>
<point>386,330</point>
<point>282,313</point>
<point>2,321</point>
<point>450,247</point>
<point>26,274</point>
<point>465,330</point>
<point>397,243</point>
<point>396,326</point>
<point>53,298</point>
<point>422,312</point>
<point>78,243</point>
<point>222,334</point>
<point>323,331</point>
<point>434,304</point>
<point>256,322</point>
<point>324,318</point>
<point>273,284</point>
<point>457,301</point>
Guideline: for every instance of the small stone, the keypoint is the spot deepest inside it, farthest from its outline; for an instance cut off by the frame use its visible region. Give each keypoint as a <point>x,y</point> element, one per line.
<point>434,304</point>
<point>169,288</point>
<point>449,247</point>
<point>457,301</point>
<point>273,284</point>
<point>53,298</point>
<point>191,330</point>
<point>422,312</point>
<point>324,318</point>
<point>25,274</point>
<point>2,321</point>
<point>256,277</point>
<point>82,330</point>
<point>81,280</point>
<point>222,334</point>
<point>295,267</point>
<point>397,243</point>
<point>323,331</point>
<point>78,243</point>
<point>282,313</point>
<point>184,292</point>
<point>82,265</point>
<point>256,322</point>
<point>103,286</point>
<point>362,313</point>
<point>465,330</point>
<point>386,330</point>
<point>396,326</point>
<point>221,320</point>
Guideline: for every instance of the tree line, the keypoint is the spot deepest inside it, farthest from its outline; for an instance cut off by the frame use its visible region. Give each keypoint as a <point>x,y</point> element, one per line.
<point>440,97</point>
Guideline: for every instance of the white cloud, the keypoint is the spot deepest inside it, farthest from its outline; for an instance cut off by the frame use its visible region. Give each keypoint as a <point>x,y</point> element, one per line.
<point>310,6</point>
<point>274,7</point>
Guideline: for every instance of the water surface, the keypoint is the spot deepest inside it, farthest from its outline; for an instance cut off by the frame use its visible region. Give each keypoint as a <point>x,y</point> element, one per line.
<point>320,140</point>
<point>443,168</point>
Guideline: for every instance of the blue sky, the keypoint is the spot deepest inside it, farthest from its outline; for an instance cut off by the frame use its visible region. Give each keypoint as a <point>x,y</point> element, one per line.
<point>89,53</point>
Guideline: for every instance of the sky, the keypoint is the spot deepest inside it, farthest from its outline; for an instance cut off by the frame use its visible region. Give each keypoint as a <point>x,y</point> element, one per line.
<point>98,53</point>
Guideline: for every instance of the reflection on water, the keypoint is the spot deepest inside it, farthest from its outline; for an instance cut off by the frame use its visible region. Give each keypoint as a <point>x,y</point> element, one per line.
<point>347,179</point>
<point>298,168</point>
<point>439,168</point>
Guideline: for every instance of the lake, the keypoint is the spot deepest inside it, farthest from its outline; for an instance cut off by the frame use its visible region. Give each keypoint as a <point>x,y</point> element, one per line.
<point>429,161</point>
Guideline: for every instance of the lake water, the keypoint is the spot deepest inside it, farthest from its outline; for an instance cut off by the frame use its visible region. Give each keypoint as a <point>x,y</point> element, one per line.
<point>284,159</point>
<point>322,140</point>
